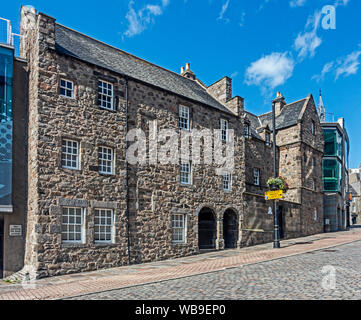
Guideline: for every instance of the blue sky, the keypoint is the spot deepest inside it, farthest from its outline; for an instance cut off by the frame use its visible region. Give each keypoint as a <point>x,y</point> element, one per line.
<point>264,45</point>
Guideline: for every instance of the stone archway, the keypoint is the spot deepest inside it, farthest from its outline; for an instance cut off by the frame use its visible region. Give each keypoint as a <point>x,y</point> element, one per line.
<point>207,229</point>
<point>230,229</point>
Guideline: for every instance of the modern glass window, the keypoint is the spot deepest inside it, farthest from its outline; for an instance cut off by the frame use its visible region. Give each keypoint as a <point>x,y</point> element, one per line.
<point>227,182</point>
<point>6,125</point>
<point>103,225</point>
<point>185,173</point>
<point>106,160</point>
<point>331,175</point>
<point>333,143</point>
<point>224,129</point>
<point>246,130</point>
<point>70,154</point>
<point>256,177</point>
<point>72,224</point>
<point>105,95</point>
<point>184,118</point>
<point>178,228</point>
<point>67,88</point>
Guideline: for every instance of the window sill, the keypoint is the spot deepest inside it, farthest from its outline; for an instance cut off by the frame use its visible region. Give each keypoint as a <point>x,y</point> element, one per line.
<point>73,245</point>
<point>183,244</point>
<point>110,110</point>
<point>105,244</point>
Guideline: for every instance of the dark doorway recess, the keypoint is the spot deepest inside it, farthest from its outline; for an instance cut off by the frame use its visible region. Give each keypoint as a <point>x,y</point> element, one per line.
<point>207,229</point>
<point>230,229</point>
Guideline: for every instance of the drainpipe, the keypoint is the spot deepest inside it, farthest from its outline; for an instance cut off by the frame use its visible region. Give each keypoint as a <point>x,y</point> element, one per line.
<point>126,162</point>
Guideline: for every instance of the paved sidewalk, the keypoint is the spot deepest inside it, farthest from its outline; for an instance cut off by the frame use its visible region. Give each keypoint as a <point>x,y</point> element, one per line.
<point>129,276</point>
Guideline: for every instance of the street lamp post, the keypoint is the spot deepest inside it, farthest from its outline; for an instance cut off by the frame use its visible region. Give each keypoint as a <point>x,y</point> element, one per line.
<point>276,244</point>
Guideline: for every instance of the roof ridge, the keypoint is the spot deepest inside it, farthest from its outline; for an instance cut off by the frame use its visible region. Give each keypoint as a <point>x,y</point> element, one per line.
<point>127,53</point>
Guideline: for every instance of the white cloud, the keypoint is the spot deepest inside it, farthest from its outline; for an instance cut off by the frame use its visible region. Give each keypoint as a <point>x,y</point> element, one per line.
<point>349,65</point>
<point>297,3</point>
<point>344,66</point>
<point>223,11</point>
<point>308,41</point>
<point>270,71</point>
<point>234,74</point>
<point>326,69</point>
<point>139,20</point>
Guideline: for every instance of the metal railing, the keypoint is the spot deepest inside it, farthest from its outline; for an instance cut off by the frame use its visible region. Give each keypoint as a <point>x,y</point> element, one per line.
<point>9,38</point>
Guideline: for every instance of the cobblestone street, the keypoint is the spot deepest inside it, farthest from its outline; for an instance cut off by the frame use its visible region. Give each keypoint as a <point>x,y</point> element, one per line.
<point>297,277</point>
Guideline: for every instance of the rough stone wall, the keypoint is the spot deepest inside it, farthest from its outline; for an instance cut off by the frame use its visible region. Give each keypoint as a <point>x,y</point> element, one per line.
<point>221,90</point>
<point>157,192</point>
<point>53,118</point>
<point>30,30</point>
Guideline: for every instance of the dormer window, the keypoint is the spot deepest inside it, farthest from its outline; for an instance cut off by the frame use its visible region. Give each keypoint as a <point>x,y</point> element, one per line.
<point>246,130</point>
<point>268,139</point>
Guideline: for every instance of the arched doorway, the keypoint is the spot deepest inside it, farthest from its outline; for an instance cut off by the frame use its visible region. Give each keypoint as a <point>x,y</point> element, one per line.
<point>230,229</point>
<point>207,229</point>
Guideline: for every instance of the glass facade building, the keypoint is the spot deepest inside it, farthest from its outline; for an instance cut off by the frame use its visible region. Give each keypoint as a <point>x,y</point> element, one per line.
<point>333,160</point>
<point>6,125</point>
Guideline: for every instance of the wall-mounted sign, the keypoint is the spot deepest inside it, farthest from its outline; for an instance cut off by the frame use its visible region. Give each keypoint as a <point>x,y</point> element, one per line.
<point>274,195</point>
<point>16,230</point>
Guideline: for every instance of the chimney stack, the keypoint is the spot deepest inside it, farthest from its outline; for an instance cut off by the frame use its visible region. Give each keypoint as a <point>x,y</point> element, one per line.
<point>279,103</point>
<point>188,73</point>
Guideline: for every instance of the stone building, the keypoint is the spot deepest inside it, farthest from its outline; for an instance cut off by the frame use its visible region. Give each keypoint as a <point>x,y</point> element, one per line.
<point>335,172</point>
<point>89,208</point>
<point>355,190</point>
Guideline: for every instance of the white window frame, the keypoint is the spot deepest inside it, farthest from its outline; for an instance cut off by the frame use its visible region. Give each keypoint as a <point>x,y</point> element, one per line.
<point>256,175</point>
<point>66,88</point>
<point>184,172</point>
<point>224,130</point>
<point>177,225</point>
<point>227,182</point>
<point>74,224</point>
<point>105,163</point>
<point>105,225</point>
<point>313,184</point>
<point>315,215</point>
<point>184,118</point>
<point>66,154</point>
<point>104,96</point>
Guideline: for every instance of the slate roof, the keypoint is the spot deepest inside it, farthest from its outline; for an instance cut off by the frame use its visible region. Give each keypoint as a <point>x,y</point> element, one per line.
<point>288,117</point>
<point>77,45</point>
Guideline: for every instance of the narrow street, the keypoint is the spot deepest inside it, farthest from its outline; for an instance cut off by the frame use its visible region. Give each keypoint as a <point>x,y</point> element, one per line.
<point>293,272</point>
<point>295,278</point>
